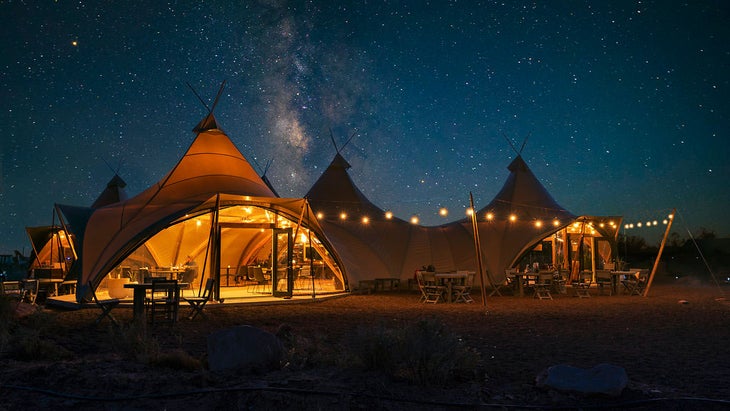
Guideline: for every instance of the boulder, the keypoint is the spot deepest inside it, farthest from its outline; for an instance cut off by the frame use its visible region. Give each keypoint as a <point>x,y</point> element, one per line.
<point>603,379</point>
<point>244,347</point>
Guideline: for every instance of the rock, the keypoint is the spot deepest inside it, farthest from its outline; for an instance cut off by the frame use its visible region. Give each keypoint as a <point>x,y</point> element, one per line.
<point>244,347</point>
<point>604,379</point>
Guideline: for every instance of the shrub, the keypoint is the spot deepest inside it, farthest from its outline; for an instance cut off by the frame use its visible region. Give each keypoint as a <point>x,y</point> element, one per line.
<point>424,353</point>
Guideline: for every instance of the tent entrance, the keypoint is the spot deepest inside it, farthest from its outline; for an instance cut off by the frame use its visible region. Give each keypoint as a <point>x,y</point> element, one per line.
<point>282,272</point>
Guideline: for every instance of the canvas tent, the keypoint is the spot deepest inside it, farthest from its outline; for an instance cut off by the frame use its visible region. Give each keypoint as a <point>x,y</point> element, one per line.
<point>374,244</point>
<point>211,205</point>
<point>53,254</point>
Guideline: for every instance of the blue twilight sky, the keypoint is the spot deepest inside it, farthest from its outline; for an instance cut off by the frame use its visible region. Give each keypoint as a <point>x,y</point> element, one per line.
<point>624,104</point>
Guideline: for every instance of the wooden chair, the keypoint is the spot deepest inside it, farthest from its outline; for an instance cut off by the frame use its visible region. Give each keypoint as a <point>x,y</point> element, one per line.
<point>604,282</point>
<point>164,300</point>
<point>31,290</point>
<point>544,284</point>
<point>106,306</point>
<point>431,292</point>
<point>636,284</point>
<point>462,293</point>
<point>197,304</point>
<point>583,284</point>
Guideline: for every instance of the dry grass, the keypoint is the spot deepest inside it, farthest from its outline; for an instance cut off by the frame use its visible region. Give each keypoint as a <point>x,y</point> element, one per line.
<point>389,351</point>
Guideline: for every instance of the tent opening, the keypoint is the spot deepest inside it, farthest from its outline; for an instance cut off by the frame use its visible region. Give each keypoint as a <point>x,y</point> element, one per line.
<point>251,251</point>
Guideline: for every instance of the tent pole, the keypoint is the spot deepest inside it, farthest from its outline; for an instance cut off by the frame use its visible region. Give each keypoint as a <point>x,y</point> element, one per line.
<point>478,249</point>
<point>311,253</point>
<point>661,249</point>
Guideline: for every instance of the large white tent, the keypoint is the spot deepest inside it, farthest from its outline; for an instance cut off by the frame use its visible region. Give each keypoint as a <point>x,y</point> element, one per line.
<point>212,205</point>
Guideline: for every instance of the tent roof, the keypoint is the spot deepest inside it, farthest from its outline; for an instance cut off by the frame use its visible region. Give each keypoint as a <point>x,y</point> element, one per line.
<point>211,165</point>
<point>113,193</point>
<point>335,192</point>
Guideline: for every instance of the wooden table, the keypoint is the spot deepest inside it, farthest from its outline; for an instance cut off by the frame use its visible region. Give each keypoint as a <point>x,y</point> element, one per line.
<point>449,279</point>
<point>140,292</point>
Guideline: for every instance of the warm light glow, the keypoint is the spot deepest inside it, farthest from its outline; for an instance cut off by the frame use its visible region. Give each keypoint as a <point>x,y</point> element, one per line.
<point>343,216</point>
<point>538,223</point>
<point>670,216</point>
<point>556,223</point>
<point>198,223</point>
<point>576,224</point>
<point>665,222</point>
<point>490,216</point>
<point>303,238</point>
<point>365,220</point>
<point>388,215</point>
<point>469,211</point>
<point>320,215</point>
<point>654,222</point>
<point>601,225</point>
<point>443,212</point>
<point>512,217</point>
<point>638,224</point>
<point>74,43</point>
<point>414,219</point>
<point>612,224</point>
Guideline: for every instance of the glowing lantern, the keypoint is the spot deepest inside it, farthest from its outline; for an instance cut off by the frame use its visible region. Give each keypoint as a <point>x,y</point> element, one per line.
<point>388,215</point>
<point>414,219</point>
<point>320,215</point>
<point>343,216</point>
<point>512,218</point>
<point>365,220</point>
<point>490,216</point>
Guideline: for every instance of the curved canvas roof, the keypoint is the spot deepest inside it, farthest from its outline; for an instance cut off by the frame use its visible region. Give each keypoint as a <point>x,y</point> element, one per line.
<point>212,165</point>
<point>381,247</point>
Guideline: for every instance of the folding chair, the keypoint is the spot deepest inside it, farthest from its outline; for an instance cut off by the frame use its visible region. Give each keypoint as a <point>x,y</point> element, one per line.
<point>432,293</point>
<point>164,300</point>
<point>507,285</point>
<point>198,303</point>
<point>543,285</point>
<point>583,284</point>
<point>462,293</point>
<point>106,306</point>
<point>603,281</point>
<point>635,284</point>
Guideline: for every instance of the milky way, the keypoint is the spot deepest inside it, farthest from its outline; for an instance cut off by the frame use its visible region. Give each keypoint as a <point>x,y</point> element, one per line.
<point>623,105</point>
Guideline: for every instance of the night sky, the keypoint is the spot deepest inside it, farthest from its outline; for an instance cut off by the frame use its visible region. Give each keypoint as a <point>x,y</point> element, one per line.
<point>624,104</point>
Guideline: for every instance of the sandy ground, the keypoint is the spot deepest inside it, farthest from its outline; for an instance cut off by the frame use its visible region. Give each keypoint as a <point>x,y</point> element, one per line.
<point>676,354</point>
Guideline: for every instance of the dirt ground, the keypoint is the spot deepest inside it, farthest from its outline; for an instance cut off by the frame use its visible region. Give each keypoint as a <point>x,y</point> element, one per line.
<point>673,344</point>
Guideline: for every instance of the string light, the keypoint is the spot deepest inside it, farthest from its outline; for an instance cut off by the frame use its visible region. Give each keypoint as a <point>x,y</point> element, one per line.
<point>320,216</point>
<point>414,219</point>
<point>512,218</point>
<point>538,224</point>
<point>365,220</point>
<point>490,216</point>
<point>388,215</point>
<point>443,212</point>
<point>556,222</point>
<point>343,216</point>
<point>469,211</point>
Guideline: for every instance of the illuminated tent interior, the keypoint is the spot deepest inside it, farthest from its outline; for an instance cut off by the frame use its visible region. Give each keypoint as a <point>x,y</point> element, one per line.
<point>523,225</point>
<point>212,206</point>
<point>52,254</point>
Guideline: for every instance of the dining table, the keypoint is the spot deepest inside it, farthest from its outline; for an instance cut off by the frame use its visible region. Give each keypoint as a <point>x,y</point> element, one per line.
<point>449,279</point>
<point>521,278</point>
<point>140,293</point>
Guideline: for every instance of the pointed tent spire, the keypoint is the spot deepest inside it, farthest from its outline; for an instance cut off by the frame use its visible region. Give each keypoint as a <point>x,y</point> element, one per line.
<point>113,193</point>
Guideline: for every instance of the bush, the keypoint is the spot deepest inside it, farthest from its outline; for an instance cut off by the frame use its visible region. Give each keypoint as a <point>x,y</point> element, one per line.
<point>423,353</point>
